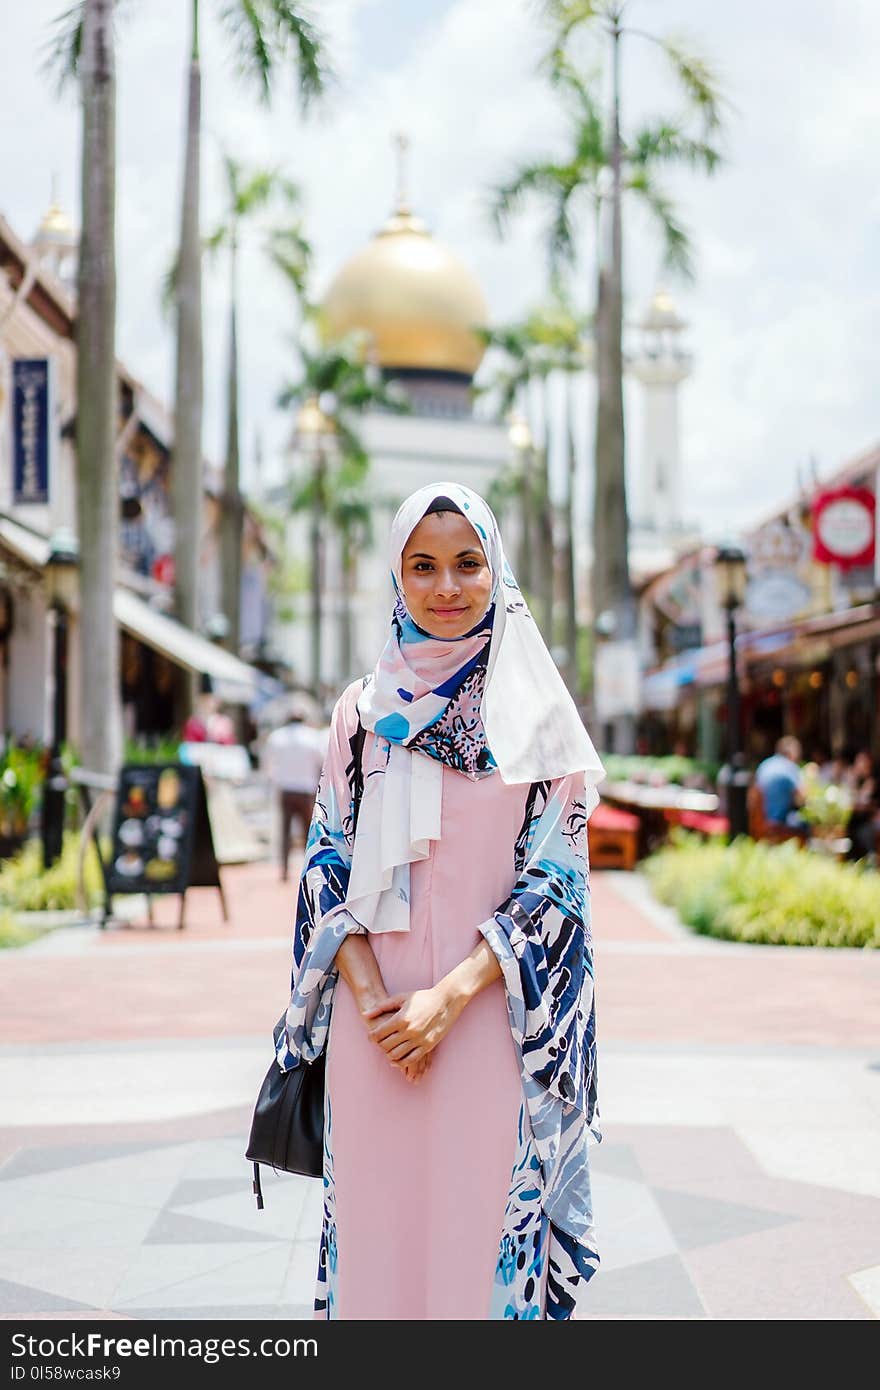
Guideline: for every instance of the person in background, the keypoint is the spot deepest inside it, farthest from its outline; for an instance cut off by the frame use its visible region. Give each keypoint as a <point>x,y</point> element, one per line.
<point>834,771</point>
<point>208,724</point>
<point>292,758</point>
<point>864,789</point>
<point>781,783</point>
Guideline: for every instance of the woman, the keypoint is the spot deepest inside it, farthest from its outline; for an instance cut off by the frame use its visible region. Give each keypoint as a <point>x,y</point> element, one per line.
<point>443,952</point>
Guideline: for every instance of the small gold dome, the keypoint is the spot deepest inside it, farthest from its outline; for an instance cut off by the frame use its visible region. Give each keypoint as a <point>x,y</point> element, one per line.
<point>56,228</point>
<point>416,300</point>
<point>661,312</point>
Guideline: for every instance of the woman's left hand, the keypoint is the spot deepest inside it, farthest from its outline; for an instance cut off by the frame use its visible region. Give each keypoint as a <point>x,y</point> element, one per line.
<point>423,1019</point>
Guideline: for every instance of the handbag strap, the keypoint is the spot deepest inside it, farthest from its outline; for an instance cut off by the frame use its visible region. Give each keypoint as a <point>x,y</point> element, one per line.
<point>357,748</point>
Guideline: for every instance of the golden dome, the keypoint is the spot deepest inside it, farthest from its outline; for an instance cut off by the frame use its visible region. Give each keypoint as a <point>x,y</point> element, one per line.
<point>416,300</point>
<point>661,312</point>
<point>56,227</point>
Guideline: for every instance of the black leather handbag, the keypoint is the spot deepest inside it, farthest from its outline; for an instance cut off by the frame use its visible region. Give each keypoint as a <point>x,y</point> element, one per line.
<point>287,1130</point>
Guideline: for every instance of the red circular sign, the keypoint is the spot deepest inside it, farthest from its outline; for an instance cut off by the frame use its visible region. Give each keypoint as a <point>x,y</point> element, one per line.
<point>843,527</point>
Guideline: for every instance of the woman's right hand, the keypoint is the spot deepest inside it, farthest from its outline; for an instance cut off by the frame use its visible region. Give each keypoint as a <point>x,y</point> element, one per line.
<point>369,1000</point>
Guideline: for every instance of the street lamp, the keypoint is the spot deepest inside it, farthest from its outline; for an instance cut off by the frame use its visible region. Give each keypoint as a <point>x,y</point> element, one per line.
<point>730,572</point>
<point>313,428</point>
<point>61,577</point>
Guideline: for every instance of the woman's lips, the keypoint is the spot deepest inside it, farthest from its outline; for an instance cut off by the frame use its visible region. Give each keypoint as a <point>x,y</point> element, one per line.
<point>448,612</point>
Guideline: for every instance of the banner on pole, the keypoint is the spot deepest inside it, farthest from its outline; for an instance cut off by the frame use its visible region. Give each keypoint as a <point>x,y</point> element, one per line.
<point>32,424</point>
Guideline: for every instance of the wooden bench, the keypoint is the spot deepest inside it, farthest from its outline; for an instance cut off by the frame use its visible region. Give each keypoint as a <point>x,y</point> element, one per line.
<point>613,838</point>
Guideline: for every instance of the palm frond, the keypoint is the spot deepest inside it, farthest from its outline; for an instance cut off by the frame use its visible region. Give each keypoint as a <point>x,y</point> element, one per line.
<point>678,254</point>
<point>168,290</point>
<point>215,241</point>
<point>699,83</point>
<point>265,34</point>
<point>291,253</point>
<point>257,190</point>
<point>568,15</point>
<point>244,24</point>
<point>63,49</point>
<point>295,29</point>
<point>507,198</point>
<point>668,143</point>
<point>560,234</point>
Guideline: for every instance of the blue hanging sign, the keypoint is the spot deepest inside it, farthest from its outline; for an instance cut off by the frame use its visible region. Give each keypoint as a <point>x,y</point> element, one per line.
<point>31,428</point>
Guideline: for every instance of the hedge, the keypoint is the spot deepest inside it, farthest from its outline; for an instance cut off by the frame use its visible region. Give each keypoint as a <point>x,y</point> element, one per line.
<point>775,894</point>
<point>25,886</point>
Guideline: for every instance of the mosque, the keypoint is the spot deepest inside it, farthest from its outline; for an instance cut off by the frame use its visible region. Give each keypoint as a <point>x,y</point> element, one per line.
<point>418,305</point>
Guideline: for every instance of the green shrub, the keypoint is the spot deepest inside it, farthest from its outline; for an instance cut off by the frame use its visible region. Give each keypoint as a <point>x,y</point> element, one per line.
<point>776,894</point>
<point>164,750</point>
<point>26,887</point>
<point>21,774</point>
<point>635,768</point>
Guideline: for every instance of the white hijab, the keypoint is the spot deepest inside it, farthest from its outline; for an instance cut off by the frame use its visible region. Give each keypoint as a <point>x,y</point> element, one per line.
<point>532,727</point>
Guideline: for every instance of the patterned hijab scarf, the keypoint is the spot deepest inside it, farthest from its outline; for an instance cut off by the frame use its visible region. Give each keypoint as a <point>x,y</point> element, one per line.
<point>426,691</point>
<point>491,700</point>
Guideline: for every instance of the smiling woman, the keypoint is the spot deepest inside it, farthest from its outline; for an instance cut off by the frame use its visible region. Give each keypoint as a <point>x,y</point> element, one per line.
<point>447,581</point>
<point>442,952</point>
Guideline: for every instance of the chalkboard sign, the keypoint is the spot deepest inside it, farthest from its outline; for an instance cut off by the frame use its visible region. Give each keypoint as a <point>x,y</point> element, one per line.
<point>162,841</point>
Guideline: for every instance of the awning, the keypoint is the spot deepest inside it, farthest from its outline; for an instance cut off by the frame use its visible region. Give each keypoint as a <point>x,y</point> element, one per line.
<point>233,680</point>
<point>660,689</point>
<point>25,545</point>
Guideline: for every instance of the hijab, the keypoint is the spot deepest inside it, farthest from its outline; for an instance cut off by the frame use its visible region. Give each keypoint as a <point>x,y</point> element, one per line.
<point>490,701</point>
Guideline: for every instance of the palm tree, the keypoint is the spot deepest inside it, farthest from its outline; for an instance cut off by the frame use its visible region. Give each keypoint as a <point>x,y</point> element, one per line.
<point>548,341</point>
<point>335,387</point>
<point>597,168</point>
<point>561,336</point>
<point>510,387</point>
<point>84,49</point>
<point>264,35</point>
<point>248,192</point>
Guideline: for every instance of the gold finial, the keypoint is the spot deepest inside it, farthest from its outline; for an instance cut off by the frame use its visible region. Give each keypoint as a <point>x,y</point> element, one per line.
<point>402,144</point>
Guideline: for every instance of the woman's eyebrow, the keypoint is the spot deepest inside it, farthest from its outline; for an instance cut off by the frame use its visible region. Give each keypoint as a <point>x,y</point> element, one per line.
<point>423,554</point>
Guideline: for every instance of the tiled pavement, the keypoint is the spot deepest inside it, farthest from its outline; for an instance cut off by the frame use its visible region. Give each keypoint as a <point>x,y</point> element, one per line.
<point>739,1176</point>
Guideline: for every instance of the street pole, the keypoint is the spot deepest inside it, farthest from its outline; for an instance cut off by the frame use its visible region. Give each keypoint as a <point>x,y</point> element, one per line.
<point>736,788</point>
<point>55,785</point>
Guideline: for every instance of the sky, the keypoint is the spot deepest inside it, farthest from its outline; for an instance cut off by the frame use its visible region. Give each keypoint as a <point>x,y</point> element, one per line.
<point>782,315</point>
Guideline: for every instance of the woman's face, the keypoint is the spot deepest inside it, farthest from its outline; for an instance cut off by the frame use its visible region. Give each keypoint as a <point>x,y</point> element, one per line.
<point>447,582</point>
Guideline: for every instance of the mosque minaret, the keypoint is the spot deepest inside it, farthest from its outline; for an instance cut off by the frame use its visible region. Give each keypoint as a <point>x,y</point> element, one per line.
<point>660,364</point>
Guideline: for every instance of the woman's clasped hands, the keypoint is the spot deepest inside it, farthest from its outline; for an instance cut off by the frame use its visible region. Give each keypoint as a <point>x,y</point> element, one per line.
<point>407,1027</point>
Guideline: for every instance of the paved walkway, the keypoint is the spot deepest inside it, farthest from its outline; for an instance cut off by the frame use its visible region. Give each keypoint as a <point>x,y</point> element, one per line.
<point>739,1176</point>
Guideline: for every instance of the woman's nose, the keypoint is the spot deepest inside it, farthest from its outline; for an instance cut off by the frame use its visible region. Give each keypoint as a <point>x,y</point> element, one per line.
<point>447,582</point>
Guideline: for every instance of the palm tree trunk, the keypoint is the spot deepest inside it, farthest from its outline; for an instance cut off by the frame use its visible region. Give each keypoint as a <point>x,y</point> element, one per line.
<point>571,628</point>
<point>526,485</point>
<point>317,584</point>
<point>345,623</point>
<point>547,547</point>
<point>187,463</point>
<point>97,495</point>
<point>611,584</point>
<point>232,516</point>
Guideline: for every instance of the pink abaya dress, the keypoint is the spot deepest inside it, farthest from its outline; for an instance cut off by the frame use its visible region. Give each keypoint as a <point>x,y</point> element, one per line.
<point>422,1170</point>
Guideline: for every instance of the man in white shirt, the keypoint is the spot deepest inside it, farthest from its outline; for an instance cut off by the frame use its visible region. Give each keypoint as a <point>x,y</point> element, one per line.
<point>292,758</point>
